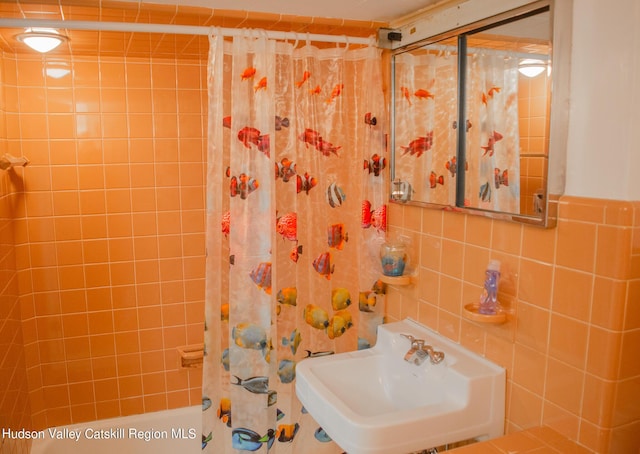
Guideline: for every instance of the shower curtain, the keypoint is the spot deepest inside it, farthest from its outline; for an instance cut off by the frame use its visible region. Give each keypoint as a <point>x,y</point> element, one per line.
<point>493,142</point>
<point>295,217</point>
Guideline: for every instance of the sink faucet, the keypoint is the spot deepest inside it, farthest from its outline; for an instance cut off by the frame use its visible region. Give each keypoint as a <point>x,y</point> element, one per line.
<point>419,352</point>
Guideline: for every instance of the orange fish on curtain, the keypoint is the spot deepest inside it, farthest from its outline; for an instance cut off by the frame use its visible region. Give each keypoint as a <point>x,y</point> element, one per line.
<point>309,137</point>
<point>501,178</point>
<point>305,77</point>
<point>287,226</point>
<point>261,85</point>
<point>294,255</point>
<point>435,180</point>
<point>375,165</point>
<point>418,146</point>
<point>285,169</point>
<point>339,323</point>
<point>337,90</point>
<point>248,73</point>
<point>288,296</point>
<point>249,135</point>
<point>493,138</point>
<point>323,266</point>
<point>406,94</point>
<point>305,183</point>
<point>423,94</point>
<point>316,317</point>
<point>370,120</point>
<point>489,95</point>
<point>242,185</point>
<point>374,218</point>
<point>452,166</point>
<point>261,276</point>
<point>287,432</point>
<point>340,298</point>
<point>224,411</point>
<point>326,148</point>
<point>336,236</point>
<point>369,298</point>
<point>312,137</point>
<point>226,223</point>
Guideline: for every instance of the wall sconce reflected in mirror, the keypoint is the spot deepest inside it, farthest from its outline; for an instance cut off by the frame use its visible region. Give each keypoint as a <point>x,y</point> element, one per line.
<point>41,40</point>
<point>531,68</point>
<point>401,191</point>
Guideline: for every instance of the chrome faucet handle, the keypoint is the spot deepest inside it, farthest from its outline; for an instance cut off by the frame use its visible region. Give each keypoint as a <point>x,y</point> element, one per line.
<point>436,357</point>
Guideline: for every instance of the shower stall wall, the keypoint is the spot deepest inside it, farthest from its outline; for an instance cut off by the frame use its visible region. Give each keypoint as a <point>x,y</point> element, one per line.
<point>108,230</point>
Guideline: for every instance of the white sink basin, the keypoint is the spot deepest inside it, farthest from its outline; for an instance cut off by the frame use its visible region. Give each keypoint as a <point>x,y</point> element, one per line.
<point>374,402</point>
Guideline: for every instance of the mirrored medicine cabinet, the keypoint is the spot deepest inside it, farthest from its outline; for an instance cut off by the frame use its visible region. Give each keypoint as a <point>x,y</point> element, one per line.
<point>471,110</point>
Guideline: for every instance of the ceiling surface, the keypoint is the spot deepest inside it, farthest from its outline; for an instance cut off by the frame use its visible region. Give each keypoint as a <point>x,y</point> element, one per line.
<point>358,18</point>
<point>365,10</point>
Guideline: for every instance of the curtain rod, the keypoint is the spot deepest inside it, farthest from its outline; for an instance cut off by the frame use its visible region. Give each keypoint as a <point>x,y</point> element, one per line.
<point>173,29</point>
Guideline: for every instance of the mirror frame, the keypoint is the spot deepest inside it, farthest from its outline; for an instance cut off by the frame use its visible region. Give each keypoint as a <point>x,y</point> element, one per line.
<point>557,124</point>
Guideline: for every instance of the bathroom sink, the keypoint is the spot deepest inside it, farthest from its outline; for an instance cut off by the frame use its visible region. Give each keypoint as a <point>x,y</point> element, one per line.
<point>373,401</point>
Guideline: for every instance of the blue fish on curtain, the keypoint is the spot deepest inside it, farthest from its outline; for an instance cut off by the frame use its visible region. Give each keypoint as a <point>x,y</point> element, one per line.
<point>289,241</point>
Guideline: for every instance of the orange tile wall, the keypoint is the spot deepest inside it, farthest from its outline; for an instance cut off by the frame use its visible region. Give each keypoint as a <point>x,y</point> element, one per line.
<point>532,112</point>
<point>571,342</point>
<point>109,239</point>
<point>15,412</point>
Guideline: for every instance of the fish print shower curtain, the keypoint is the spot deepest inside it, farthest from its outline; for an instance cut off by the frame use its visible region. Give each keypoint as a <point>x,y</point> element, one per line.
<point>493,142</point>
<point>295,217</point>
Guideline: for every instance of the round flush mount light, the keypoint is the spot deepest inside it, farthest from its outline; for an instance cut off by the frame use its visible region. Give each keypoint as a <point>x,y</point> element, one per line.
<point>42,40</point>
<point>531,68</point>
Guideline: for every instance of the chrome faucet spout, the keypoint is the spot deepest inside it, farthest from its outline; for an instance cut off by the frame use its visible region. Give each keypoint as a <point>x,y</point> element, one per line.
<point>419,352</point>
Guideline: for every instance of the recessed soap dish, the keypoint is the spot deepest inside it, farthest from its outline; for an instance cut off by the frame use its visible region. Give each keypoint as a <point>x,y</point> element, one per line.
<point>472,312</point>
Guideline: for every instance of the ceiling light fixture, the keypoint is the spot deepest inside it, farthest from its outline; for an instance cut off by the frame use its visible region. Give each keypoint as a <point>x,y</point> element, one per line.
<point>531,68</point>
<point>42,40</point>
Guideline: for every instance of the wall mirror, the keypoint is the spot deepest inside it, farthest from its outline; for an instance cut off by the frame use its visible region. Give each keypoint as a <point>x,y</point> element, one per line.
<point>470,116</point>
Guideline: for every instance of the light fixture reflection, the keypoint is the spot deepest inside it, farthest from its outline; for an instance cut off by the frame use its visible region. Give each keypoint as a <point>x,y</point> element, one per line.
<point>531,68</point>
<point>42,40</point>
<point>57,70</point>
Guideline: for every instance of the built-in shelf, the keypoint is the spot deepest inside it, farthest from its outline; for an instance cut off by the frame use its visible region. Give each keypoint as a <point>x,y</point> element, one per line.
<point>471,312</point>
<point>397,280</point>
